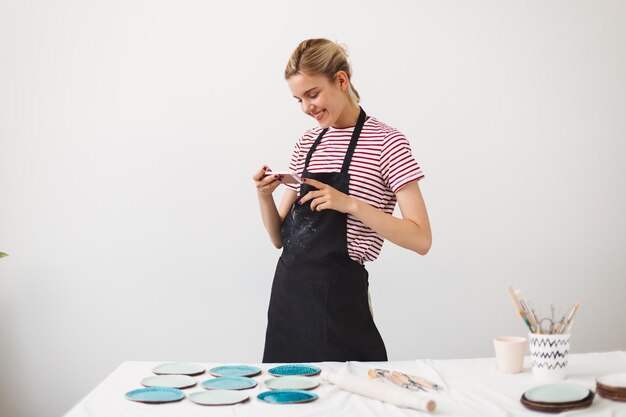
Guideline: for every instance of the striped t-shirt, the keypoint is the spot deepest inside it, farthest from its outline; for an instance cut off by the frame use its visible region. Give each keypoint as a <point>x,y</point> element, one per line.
<point>381,165</point>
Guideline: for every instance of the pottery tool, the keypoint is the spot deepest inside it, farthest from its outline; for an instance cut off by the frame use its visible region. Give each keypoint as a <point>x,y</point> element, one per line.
<point>527,311</point>
<point>416,381</point>
<point>381,392</point>
<point>405,381</point>
<point>383,373</point>
<point>518,307</point>
<point>570,317</point>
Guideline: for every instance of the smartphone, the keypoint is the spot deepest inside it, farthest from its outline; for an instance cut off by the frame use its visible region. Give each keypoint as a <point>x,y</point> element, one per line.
<point>289,177</point>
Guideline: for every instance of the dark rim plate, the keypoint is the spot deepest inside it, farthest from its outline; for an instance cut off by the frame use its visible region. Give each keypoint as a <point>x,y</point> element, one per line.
<point>611,396</point>
<point>609,388</point>
<point>557,407</point>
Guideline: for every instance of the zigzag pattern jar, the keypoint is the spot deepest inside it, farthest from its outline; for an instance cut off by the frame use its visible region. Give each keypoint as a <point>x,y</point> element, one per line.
<point>548,355</point>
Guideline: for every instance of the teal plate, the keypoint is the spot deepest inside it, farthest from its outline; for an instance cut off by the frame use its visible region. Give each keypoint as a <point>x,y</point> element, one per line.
<point>230,382</point>
<point>234,370</point>
<point>155,395</point>
<point>286,396</point>
<point>557,393</point>
<point>297,369</point>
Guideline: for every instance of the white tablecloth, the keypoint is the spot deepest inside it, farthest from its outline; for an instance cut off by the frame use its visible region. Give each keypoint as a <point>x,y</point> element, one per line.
<point>473,387</point>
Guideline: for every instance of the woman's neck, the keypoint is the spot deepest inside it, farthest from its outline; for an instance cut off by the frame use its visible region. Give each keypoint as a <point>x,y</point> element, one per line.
<point>349,117</point>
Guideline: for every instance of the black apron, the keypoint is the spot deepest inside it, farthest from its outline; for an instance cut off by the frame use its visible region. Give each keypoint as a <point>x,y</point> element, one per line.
<point>319,308</point>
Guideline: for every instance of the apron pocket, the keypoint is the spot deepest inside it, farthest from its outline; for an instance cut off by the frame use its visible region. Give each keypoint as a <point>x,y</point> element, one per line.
<point>299,305</point>
<point>306,308</point>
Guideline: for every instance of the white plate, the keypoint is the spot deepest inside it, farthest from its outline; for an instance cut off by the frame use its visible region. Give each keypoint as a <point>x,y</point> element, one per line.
<point>169,381</point>
<point>557,393</point>
<point>292,382</point>
<point>178,368</point>
<point>218,397</point>
<point>613,381</point>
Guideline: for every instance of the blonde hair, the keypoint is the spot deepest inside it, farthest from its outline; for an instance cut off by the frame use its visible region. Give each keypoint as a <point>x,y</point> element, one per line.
<point>321,57</point>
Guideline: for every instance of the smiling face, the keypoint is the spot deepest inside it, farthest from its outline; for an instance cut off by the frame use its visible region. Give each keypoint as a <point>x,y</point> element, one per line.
<point>324,100</point>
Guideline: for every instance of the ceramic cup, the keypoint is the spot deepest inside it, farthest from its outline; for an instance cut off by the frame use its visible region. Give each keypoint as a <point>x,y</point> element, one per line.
<point>510,353</point>
<point>548,356</point>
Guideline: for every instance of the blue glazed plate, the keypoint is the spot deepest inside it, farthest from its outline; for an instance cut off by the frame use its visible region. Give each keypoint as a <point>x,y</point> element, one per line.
<point>287,396</point>
<point>169,381</point>
<point>155,395</point>
<point>296,369</point>
<point>218,397</point>
<point>557,393</point>
<point>178,369</point>
<point>230,382</point>
<point>234,370</point>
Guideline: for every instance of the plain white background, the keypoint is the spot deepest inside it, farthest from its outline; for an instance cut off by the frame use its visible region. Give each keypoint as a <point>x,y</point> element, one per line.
<point>129,131</point>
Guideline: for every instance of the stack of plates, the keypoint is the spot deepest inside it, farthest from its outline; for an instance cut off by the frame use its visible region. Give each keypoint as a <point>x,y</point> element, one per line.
<point>554,398</point>
<point>612,386</point>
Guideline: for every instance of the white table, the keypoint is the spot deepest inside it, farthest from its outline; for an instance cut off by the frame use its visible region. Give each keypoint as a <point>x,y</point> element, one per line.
<point>473,388</point>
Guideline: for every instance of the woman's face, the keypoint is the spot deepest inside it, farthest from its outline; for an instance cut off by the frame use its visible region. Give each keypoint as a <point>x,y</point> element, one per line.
<point>320,98</point>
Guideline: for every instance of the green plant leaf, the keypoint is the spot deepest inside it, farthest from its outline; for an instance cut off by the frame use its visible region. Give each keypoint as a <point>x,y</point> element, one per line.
<point>2,254</point>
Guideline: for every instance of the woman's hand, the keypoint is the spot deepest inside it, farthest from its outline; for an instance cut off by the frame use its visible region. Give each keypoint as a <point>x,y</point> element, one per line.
<point>265,181</point>
<point>326,197</point>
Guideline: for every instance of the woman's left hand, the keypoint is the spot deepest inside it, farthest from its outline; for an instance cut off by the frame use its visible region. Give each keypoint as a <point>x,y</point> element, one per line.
<point>326,197</point>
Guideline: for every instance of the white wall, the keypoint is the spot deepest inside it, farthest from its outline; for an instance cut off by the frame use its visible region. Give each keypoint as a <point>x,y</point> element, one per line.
<point>129,131</point>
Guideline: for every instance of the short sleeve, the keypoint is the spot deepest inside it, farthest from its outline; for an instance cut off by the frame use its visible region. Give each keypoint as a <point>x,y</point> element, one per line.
<point>398,166</point>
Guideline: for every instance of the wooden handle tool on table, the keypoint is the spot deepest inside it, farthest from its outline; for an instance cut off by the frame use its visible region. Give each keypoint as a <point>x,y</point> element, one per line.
<point>404,380</point>
<point>382,392</point>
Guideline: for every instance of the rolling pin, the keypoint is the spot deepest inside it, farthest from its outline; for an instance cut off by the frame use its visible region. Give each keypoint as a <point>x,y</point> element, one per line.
<point>382,392</point>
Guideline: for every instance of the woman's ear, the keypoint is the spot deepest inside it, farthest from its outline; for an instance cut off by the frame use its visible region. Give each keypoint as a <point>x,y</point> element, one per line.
<point>342,81</point>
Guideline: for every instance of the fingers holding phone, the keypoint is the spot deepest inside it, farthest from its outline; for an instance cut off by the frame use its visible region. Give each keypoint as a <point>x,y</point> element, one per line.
<point>265,181</point>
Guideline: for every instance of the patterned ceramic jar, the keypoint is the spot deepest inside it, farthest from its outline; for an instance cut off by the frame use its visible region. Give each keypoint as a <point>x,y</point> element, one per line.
<point>548,355</point>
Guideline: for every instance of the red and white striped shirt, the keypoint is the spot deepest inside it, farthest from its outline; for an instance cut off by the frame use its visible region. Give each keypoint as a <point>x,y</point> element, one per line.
<point>381,165</point>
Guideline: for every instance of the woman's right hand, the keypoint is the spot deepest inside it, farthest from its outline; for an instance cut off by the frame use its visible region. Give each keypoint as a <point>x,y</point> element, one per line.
<point>265,181</point>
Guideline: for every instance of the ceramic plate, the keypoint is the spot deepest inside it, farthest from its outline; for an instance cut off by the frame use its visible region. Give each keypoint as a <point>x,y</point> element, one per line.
<point>178,369</point>
<point>155,395</point>
<point>230,382</point>
<point>558,407</point>
<point>292,382</point>
<point>170,381</point>
<point>557,393</point>
<point>218,397</point>
<point>617,381</point>
<point>285,370</point>
<point>234,370</point>
<point>286,396</point>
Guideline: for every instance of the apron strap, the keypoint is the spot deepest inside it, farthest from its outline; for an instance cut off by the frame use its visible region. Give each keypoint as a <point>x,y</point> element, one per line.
<point>313,147</point>
<point>355,137</point>
<point>351,147</point>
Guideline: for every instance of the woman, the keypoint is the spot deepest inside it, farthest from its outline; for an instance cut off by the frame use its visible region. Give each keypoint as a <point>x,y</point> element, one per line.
<point>354,169</point>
